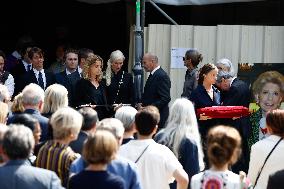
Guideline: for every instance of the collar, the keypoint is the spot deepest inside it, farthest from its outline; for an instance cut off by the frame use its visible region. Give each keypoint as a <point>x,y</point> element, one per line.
<point>17,162</point>
<point>232,81</point>
<point>67,72</point>
<point>31,111</point>
<point>153,71</point>
<point>37,72</point>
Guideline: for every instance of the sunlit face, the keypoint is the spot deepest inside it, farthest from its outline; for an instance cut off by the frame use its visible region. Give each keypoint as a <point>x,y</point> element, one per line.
<point>269,97</point>
<point>116,65</point>
<point>95,69</point>
<point>147,63</point>
<point>2,64</point>
<point>37,61</point>
<point>211,77</point>
<point>71,61</point>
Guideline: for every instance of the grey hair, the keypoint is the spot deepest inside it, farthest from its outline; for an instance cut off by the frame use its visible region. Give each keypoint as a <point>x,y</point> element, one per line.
<point>182,123</point>
<point>65,121</point>
<point>223,75</point>
<point>114,56</point>
<point>18,142</point>
<point>33,94</point>
<point>126,115</point>
<point>228,64</point>
<point>113,125</point>
<point>4,93</point>
<point>55,97</point>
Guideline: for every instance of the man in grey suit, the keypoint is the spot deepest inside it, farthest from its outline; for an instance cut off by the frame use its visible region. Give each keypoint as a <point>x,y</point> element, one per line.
<point>18,143</point>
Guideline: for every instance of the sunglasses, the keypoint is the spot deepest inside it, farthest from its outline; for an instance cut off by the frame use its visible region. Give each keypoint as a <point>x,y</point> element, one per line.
<point>184,59</point>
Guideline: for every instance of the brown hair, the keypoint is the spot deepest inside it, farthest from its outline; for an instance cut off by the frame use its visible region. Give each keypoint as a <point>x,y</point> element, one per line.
<point>146,120</point>
<point>275,120</point>
<point>268,77</point>
<point>194,56</point>
<point>17,105</point>
<point>205,70</point>
<point>92,59</point>
<point>223,145</point>
<point>100,148</point>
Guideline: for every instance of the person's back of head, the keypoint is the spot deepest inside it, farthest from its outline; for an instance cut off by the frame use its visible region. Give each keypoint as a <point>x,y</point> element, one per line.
<point>100,148</point>
<point>126,115</point>
<point>113,125</point>
<point>146,120</point>
<point>274,122</point>
<point>4,110</point>
<point>3,130</point>
<point>17,104</point>
<point>25,119</point>
<point>66,122</point>
<point>194,56</point>
<point>33,95</point>
<point>18,142</point>
<point>90,118</point>
<point>55,97</point>
<point>223,146</point>
<point>4,94</point>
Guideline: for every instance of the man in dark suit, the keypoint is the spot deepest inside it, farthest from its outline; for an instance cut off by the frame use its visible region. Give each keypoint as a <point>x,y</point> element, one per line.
<point>18,143</point>
<point>37,75</point>
<point>235,92</point>
<point>69,77</point>
<point>90,119</point>
<point>33,97</point>
<point>157,87</point>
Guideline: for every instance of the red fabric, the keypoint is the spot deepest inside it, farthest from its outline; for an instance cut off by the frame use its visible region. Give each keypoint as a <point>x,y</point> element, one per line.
<point>224,111</point>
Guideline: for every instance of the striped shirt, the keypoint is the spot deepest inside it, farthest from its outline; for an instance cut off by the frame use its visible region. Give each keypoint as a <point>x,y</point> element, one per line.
<point>56,157</point>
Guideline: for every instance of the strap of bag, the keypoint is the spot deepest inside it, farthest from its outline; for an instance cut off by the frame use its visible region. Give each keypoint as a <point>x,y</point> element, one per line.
<point>266,161</point>
<point>142,153</point>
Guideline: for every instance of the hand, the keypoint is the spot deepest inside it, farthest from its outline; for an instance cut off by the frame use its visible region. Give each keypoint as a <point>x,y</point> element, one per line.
<point>117,106</point>
<point>204,117</point>
<point>139,106</point>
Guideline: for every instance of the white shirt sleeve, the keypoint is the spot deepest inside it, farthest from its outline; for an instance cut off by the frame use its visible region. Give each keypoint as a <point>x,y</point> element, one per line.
<point>10,84</point>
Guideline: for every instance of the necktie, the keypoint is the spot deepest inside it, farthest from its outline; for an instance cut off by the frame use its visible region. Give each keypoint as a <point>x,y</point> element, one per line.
<point>40,80</point>
<point>29,67</point>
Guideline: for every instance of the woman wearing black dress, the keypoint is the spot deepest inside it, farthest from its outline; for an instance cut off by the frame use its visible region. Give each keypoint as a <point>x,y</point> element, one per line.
<point>90,90</point>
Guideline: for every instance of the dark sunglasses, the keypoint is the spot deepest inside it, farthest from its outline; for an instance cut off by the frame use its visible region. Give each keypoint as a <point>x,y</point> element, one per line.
<point>184,59</point>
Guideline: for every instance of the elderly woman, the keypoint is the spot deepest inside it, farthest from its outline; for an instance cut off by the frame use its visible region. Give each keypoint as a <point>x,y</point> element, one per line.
<point>55,97</point>
<point>90,89</point>
<point>119,83</point>
<point>182,137</point>
<point>56,155</point>
<point>126,115</point>
<point>259,171</point>
<point>268,91</point>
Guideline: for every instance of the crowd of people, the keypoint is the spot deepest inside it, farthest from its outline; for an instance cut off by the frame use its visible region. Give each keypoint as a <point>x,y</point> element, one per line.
<point>76,125</point>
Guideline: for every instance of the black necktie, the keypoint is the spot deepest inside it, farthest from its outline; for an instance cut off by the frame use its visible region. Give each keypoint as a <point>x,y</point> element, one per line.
<point>40,80</point>
<point>29,67</point>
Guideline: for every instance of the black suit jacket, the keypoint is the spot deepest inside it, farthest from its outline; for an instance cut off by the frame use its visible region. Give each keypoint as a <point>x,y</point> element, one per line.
<point>69,82</point>
<point>238,95</point>
<point>276,180</point>
<point>18,72</point>
<point>157,93</point>
<point>30,77</point>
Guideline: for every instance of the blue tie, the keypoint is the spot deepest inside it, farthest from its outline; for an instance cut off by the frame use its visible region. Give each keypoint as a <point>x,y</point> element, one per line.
<point>29,67</point>
<point>40,80</point>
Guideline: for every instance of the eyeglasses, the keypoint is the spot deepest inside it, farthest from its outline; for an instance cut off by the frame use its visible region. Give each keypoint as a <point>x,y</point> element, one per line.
<point>184,59</point>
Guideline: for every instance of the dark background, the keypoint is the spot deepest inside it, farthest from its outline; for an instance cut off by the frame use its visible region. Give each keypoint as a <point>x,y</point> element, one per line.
<point>106,27</point>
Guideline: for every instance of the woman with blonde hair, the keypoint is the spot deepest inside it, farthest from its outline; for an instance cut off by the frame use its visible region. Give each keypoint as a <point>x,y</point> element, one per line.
<point>55,97</point>
<point>268,91</point>
<point>181,135</point>
<point>91,89</point>
<point>17,104</point>
<point>99,150</point>
<point>4,110</point>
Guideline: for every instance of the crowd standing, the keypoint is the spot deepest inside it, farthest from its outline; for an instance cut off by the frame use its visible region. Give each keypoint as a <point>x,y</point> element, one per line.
<point>76,124</point>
